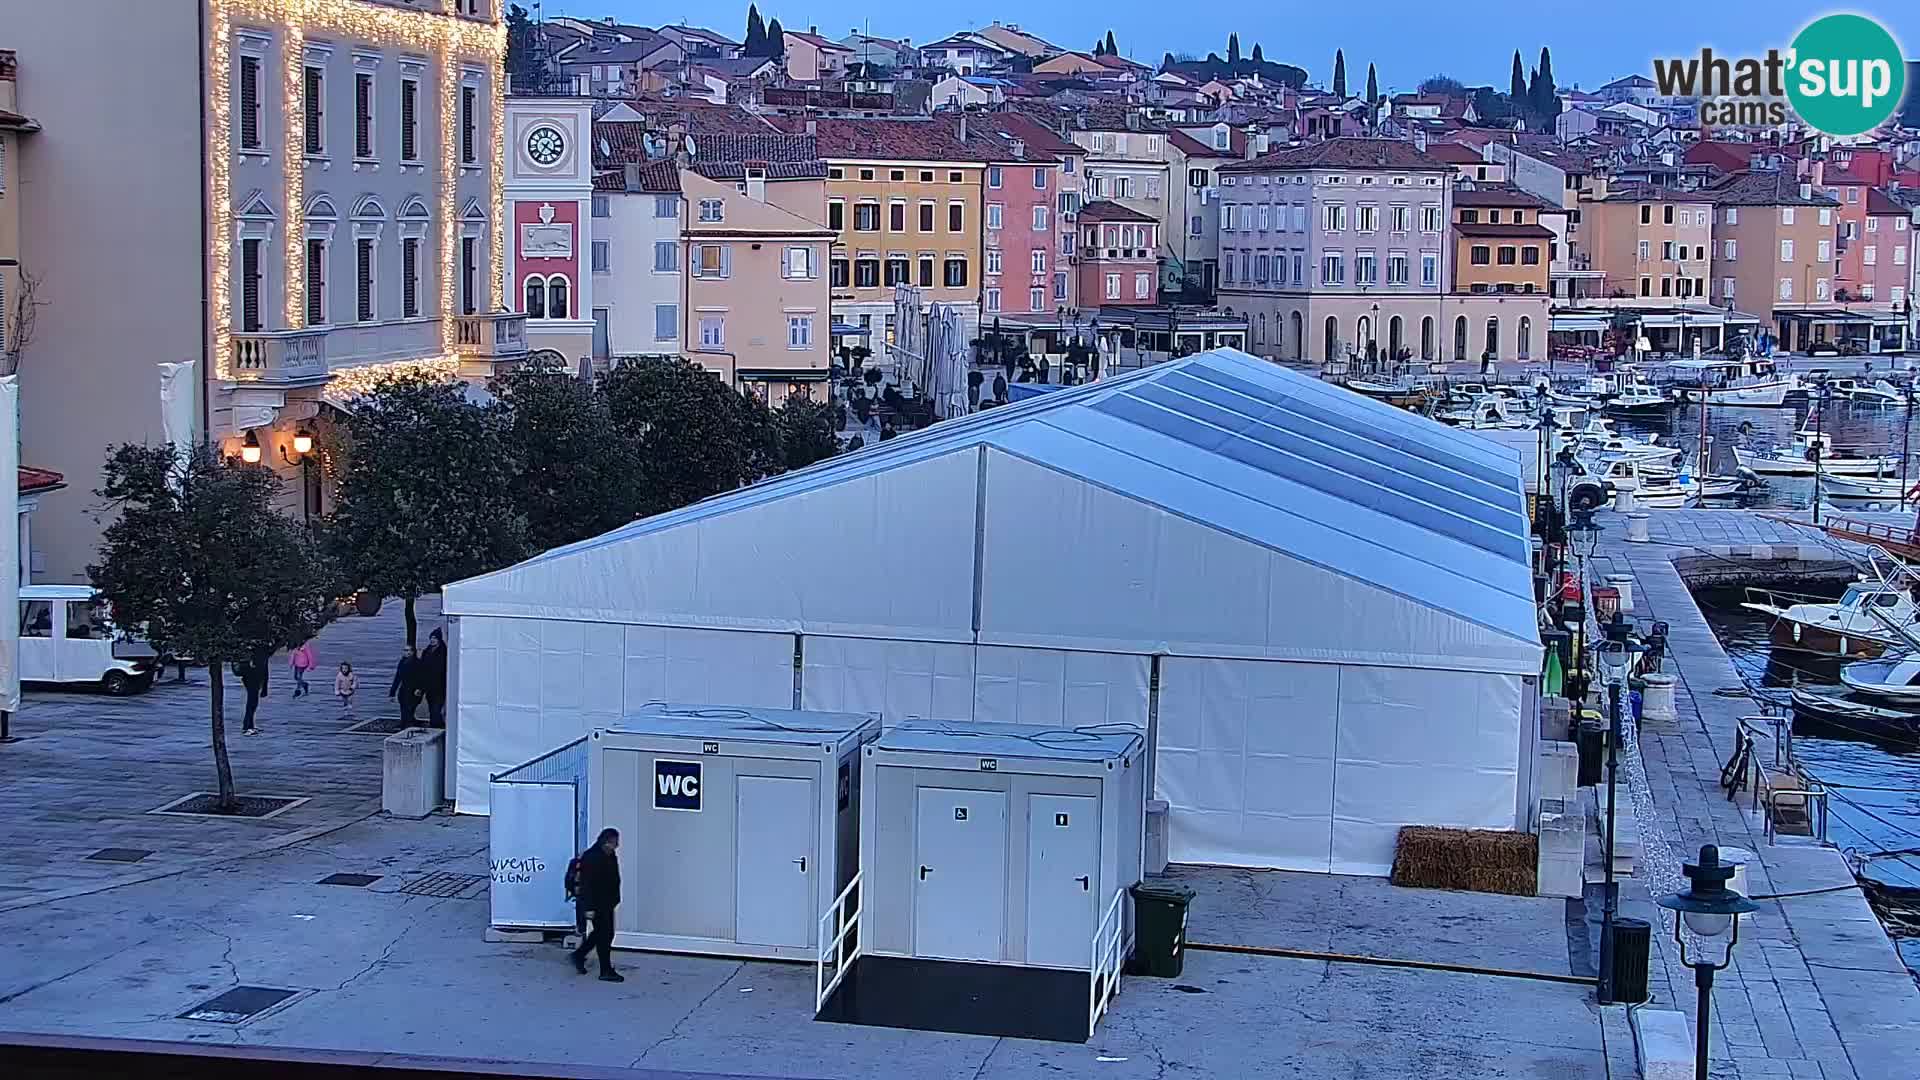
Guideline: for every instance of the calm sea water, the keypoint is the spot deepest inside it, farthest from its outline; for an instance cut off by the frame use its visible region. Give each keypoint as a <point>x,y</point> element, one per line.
<point>1861,429</point>
<point>1874,776</point>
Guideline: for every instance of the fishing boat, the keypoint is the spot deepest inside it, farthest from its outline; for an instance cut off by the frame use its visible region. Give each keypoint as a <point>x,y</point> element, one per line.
<point>1860,392</point>
<point>1404,393</point>
<point>1890,679</point>
<point>1799,459</point>
<point>1642,450</point>
<point>1634,396</point>
<point>1727,487</point>
<point>1750,383</point>
<point>1490,411</point>
<point>1855,625</point>
<point>1887,489</point>
<point>1855,717</point>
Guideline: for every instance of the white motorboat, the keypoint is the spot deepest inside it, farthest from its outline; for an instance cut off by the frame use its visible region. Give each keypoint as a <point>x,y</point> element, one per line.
<point>1860,392</point>
<point>1875,488</point>
<point>1726,487</point>
<point>1654,486</point>
<point>1640,450</point>
<point>1854,625</point>
<point>1890,679</point>
<point>1751,383</point>
<point>1487,412</point>
<point>1799,461</point>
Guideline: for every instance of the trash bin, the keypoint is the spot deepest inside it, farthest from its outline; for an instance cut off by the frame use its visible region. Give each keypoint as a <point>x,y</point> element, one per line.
<point>1160,929</point>
<point>1632,944</point>
<point>1591,739</point>
<point>412,781</point>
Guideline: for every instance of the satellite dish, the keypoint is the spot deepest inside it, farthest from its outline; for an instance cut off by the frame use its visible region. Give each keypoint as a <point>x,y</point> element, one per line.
<point>606,149</point>
<point>653,146</point>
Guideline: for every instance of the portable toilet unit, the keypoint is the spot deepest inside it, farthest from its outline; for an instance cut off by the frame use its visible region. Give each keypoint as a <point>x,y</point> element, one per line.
<point>994,866</point>
<point>738,826</point>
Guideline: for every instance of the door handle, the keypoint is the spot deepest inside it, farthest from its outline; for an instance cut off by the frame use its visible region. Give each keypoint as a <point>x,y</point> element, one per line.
<point>802,860</point>
<point>1084,886</point>
<point>924,871</point>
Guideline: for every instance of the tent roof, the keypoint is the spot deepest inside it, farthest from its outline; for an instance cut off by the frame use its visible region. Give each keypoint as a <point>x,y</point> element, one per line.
<point>1305,469</point>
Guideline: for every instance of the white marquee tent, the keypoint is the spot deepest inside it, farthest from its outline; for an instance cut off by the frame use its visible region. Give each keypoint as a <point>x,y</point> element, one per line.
<point>1318,607</point>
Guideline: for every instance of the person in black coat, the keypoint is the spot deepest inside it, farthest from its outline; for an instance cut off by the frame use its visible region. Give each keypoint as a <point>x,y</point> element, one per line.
<point>433,678</point>
<point>406,685</point>
<point>253,676</point>
<point>597,893</point>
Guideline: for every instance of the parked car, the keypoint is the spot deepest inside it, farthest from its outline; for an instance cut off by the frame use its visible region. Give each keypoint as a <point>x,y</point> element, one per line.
<point>66,636</point>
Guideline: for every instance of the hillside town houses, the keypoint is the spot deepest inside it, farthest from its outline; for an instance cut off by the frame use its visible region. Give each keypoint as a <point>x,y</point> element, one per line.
<point>451,185</point>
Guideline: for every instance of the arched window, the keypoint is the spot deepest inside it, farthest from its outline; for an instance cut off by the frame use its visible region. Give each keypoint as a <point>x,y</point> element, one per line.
<point>557,298</point>
<point>547,296</point>
<point>1333,339</point>
<point>1460,339</point>
<point>1363,331</point>
<point>1526,335</point>
<point>536,297</point>
<point>1299,336</point>
<point>1394,335</point>
<point>1426,338</point>
<point>1493,336</point>
<point>1260,335</point>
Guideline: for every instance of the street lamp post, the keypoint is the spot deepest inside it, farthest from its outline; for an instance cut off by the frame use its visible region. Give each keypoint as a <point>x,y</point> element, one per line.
<point>1614,655</point>
<point>1709,908</point>
<point>303,451</point>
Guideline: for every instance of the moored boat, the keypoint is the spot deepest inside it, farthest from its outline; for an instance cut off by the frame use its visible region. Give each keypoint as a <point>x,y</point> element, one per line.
<point>1890,679</point>
<point>1856,625</point>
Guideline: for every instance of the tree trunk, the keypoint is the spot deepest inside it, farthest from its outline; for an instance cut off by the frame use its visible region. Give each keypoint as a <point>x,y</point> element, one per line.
<point>221,766</point>
<point>413,628</point>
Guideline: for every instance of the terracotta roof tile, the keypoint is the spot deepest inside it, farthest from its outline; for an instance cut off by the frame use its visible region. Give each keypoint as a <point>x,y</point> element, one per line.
<point>34,480</point>
<point>1518,232</point>
<point>1501,195</point>
<point>931,139</point>
<point>1108,210</point>
<point>656,178</point>
<point>1344,154</point>
<point>1763,189</point>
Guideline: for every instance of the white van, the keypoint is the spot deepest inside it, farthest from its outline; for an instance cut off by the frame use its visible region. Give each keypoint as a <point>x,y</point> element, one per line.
<point>66,637</point>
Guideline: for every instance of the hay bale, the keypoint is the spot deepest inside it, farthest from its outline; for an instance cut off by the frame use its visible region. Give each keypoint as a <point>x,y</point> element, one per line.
<point>1474,860</point>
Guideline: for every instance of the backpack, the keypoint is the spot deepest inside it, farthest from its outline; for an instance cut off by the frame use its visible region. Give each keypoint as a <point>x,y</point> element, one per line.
<point>573,878</point>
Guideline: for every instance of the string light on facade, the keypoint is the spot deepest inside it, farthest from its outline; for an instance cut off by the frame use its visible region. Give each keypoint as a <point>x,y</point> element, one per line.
<point>497,146</point>
<point>440,33</point>
<point>353,382</point>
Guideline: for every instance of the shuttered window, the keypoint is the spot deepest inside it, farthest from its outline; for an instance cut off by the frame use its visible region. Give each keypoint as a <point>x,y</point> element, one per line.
<point>250,286</point>
<point>316,282</point>
<point>410,277</point>
<point>469,106</point>
<point>410,120</point>
<point>363,115</point>
<point>314,106</point>
<point>250,102</point>
<point>363,278</point>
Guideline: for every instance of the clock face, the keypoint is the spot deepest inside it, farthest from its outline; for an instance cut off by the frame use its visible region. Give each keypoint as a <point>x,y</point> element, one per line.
<point>546,145</point>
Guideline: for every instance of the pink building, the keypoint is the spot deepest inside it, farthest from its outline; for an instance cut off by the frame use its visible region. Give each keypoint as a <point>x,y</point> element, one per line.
<point>1066,187</point>
<point>1118,256</point>
<point>1019,259</point>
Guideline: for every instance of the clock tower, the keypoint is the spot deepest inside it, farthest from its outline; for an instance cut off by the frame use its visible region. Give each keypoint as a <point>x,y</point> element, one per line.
<point>549,192</point>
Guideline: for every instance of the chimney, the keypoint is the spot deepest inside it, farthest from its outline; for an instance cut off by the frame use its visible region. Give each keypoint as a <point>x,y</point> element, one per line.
<point>814,30</point>
<point>633,176</point>
<point>1019,150</point>
<point>757,183</point>
<point>1806,191</point>
<point>1420,139</point>
<point>813,127</point>
<point>963,126</point>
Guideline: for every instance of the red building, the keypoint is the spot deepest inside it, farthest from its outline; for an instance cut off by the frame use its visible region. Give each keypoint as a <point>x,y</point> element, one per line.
<point>1118,262</point>
<point>1019,212</point>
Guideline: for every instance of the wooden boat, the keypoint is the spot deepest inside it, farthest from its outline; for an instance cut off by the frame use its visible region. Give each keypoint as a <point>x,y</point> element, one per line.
<point>1875,488</point>
<point>1854,625</point>
<point>1890,679</point>
<point>1751,383</point>
<point>1856,716</point>
<point>1798,461</point>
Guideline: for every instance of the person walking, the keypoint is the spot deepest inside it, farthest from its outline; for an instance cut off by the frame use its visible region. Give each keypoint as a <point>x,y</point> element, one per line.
<point>433,678</point>
<point>301,662</point>
<point>406,685</point>
<point>253,676</point>
<point>598,893</point>
<point>345,682</point>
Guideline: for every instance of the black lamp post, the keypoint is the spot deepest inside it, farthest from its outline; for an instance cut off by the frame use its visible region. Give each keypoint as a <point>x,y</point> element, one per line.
<point>303,451</point>
<point>1615,655</point>
<point>1584,536</point>
<point>1710,909</point>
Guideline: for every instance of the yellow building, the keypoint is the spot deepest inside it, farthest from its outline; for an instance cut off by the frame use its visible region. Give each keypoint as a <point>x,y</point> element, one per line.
<point>1500,243</point>
<point>1651,243</point>
<point>904,198</point>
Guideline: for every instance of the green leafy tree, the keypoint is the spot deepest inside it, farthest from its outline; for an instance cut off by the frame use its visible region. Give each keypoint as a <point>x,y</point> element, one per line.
<point>1112,49</point>
<point>1339,73</point>
<point>807,431</point>
<point>756,43</point>
<point>776,41</point>
<point>525,67</point>
<point>1233,48</point>
<point>575,473</point>
<point>1167,62</point>
<point>1373,86</point>
<point>1257,58</point>
<point>696,436</point>
<point>201,562</point>
<point>425,493</point>
<point>1442,84</point>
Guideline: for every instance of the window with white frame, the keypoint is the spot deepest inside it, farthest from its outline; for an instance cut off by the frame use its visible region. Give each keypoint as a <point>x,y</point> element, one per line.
<point>1786,216</point>
<point>469,125</point>
<point>602,256</point>
<point>712,261</point>
<point>1870,254</point>
<point>313,108</point>
<point>1039,179</point>
<point>799,331</point>
<point>993,261</point>
<point>1113,286</point>
<point>363,114</point>
<point>992,299</point>
<point>1396,268</point>
<point>1369,217</point>
<point>316,282</point>
<point>365,287</point>
<point>1400,217</point>
<point>410,276</point>
<point>1142,286</point>
<point>666,256</point>
<point>1039,261</point>
<point>666,206</point>
<point>1899,256</point>
<point>1060,285</point>
<point>1430,218</point>
<point>249,92</point>
<point>1786,288</point>
<point>1260,216</point>
<point>1820,289</point>
<point>1429,268</point>
<point>1037,298</point>
<point>1730,251</point>
<point>1365,268</point>
<point>1196,225</point>
<point>993,176</point>
<point>713,331</point>
<point>666,322</point>
<point>1824,248</point>
<point>1226,267</point>
<point>1786,250</point>
<point>994,211</point>
<point>713,210</point>
<point>1866,290</point>
<point>1873,224</point>
<point>799,264</point>
<point>1333,268</point>
<point>1897,294</point>
<point>1039,219</point>
<point>1333,217</point>
<point>410,120</point>
<point>601,206</point>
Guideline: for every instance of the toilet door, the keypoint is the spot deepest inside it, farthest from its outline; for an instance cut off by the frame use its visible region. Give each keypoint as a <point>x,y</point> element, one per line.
<point>960,874</point>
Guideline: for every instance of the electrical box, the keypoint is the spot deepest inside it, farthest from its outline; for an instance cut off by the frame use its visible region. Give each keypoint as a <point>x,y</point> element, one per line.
<point>998,843</point>
<point>738,826</point>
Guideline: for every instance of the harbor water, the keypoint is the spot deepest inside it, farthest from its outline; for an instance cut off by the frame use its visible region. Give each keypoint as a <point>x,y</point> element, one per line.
<point>1873,775</point>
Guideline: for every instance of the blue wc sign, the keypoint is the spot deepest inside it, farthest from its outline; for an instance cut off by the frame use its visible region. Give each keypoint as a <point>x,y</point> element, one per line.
<point>676,785</point>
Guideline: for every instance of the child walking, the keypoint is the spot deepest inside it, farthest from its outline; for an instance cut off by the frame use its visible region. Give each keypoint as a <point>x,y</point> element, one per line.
<point>302,662</point>
<point>344,684</point>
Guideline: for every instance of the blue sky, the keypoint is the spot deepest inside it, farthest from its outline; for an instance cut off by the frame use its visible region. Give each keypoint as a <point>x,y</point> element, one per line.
<point>1473,42</point>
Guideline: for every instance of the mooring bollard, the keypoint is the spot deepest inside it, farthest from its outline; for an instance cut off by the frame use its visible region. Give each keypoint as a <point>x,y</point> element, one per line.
<point>1637,528</point>
<point>1624,583</point>
<point>1656,698</point>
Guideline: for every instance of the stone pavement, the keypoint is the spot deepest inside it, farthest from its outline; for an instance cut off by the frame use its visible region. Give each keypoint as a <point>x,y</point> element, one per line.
<point>85,769</point>
<point>379,969</point>
<point>1816,988</point>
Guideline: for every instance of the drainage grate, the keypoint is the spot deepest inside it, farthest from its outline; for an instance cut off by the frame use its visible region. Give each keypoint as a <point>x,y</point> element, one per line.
<point>238,1005</point>
<point>380,725</point>
<point>354,881</point>
<point>444,884</point>
<point>119,854</point>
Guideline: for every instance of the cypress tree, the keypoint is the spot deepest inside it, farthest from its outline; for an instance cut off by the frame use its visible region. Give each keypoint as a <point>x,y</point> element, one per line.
<point>1546,103</point>
<point>1112,49</point>
<point>1257,58</point>
<point>756,43</point>
<point>1339,73</point>
<point>1517,90</point>
<point>1233,48</point>
<point>1373,86</point>
<point>776,40</point>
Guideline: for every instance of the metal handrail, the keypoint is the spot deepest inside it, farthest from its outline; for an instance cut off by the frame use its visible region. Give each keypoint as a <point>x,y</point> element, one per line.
<point>843,959</point>
<point>1103,970</point>
<point>1812,793</point>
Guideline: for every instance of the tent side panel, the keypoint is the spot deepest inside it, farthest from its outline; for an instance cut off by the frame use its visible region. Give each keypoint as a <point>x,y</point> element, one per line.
<point>1421,748</point>
<point>1058,688</point>
<point>1245,761</point>
<point>896,678</point>
<point>529,685</point>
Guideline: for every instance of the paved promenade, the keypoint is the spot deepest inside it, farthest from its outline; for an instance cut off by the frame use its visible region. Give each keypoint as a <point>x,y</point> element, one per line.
<point>1816,988</point>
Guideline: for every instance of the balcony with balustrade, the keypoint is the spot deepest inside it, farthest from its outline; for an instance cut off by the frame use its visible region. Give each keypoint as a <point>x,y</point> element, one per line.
<point>280,358</point>
<point>483,341</point>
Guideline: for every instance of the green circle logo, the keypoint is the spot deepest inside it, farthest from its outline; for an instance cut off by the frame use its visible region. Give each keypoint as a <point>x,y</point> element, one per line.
<point>1846,75</point>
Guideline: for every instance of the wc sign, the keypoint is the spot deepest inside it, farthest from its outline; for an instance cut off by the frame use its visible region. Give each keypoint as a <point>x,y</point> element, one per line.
<point>676,785</point>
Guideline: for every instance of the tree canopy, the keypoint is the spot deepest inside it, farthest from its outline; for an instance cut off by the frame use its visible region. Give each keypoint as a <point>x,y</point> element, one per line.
<point>1442,84</point>
<point>697,436</point>
<point>1112,49</point>
<point>1257,58</point>
<point>425,495</point>
<point>1373,86</point>
<point>201,562</point>
<point>526,68</point>
<point>756,42</point>
<point>1233,48</point>
<point>776,40</point>
<point>575,473</point>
